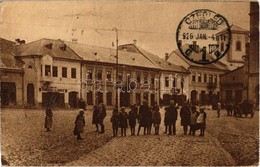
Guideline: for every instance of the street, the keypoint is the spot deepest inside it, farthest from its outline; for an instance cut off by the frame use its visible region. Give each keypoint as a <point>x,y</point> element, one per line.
<point>227,141</point>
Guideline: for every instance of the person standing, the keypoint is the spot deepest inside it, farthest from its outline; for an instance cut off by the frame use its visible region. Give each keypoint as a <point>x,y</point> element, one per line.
<point>193,119</point>
<point>185,117</point>
<point>201,121</point>
<point>149,120</point>
<point>156,120</point>
<point>79,124</point>
<point>102,115</point>
<point>95,119</point>
<point>132,116</point>
<point>143,112</point>
<point>173,114</point>
<point>115,121</point>
<point>166,119</point>
<point>123,121</point>
<point>48,119</point>
<point>218,109</point>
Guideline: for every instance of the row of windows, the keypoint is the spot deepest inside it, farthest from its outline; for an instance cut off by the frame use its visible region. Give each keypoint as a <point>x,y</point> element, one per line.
<point>120,76</point>
<point>47,71</point>
<point>199,77</point>
<point>174,82</point>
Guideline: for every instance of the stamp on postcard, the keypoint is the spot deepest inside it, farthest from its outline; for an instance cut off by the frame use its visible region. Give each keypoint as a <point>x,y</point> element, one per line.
<point>203,36</point>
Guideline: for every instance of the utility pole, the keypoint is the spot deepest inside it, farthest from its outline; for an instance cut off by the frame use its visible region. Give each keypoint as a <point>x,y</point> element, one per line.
<point>117,90</point>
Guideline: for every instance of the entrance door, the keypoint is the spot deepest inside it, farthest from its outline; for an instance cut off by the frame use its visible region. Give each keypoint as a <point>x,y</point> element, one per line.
<point>73,99</point>
<point>194,94</point>
<point>124,99</point>
<point>30,94</point>
<point>152,99</point>
<point>203,97</point>
<point>8,93</point>
<point>238,96</point>
<point>109,98</point>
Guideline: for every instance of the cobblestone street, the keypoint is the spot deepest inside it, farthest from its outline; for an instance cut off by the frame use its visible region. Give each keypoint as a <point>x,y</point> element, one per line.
<point>213,149</point>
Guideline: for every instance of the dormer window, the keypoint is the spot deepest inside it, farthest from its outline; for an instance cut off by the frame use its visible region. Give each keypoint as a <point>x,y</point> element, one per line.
<point>63,47</point>
<point>238,46</point>
<point>49,46</point>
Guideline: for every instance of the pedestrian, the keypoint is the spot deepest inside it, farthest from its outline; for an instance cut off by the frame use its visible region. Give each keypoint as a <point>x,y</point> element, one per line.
<point>79,124</point>
<point>82,104</point>
<point>102,114</point>
<point>123,121</point>
<point>95,119</point>
<point>142,117</point>
<point>166,119</point>
<point>229,108</point>
<point>156,120</point>
<point>185,117</point>
<point>193,119</point>
<point>201,121</point>
<point>149,120</point>
<point>132,116</point>
<point>173,114</point>
<point>115,121</point>
<point>48,119</point>
<point>218,109</point>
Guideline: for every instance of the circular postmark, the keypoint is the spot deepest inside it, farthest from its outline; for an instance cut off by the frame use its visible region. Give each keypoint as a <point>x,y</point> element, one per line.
<point>203,36</point>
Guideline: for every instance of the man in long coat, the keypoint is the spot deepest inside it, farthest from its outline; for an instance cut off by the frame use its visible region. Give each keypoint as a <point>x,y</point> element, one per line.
<point>102,115</point>
<point>185,117</point>
<point>143,117</point>
<point>173,114</point>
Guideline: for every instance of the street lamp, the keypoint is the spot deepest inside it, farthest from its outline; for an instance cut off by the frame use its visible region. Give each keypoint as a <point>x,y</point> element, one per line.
<point>117,90</point>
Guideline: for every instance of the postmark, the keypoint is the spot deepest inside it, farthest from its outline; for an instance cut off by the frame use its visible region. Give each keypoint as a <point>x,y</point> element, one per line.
<point>203,36</point>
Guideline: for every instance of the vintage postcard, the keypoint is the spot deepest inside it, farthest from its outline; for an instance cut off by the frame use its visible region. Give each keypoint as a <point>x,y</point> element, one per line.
<point>129,83</point>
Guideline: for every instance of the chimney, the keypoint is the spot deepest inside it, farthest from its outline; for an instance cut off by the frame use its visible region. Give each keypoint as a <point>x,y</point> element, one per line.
<point>134,41</point>
<point>166,56</point>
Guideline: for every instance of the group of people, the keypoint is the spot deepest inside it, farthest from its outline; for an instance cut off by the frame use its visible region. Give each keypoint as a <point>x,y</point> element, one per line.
<point>146,116</point>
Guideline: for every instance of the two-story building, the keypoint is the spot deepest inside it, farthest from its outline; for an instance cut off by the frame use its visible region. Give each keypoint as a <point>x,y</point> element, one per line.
<point>51,73</point>
<point>173,79</point>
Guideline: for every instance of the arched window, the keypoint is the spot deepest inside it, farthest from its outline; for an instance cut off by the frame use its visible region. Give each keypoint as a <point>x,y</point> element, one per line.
<point>238,45</point>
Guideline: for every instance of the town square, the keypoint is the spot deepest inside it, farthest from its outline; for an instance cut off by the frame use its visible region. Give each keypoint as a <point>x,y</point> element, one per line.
<point>88,83</point>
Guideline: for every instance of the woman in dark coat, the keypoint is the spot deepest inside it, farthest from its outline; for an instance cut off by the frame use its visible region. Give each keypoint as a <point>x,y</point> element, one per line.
<point>142,118</point>
<point>123,121</point>
<point>48,119</point>
<point>166,119</point>
<point>149,120</point>
<point>156,120</point>
<point>95,117</point>
<point>79,124</point>
<point>115,121</point>
<point>132,116</point>
<point>185,117</point>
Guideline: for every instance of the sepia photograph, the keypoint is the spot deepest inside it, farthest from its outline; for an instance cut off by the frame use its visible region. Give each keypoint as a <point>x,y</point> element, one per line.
<point>129,83</point>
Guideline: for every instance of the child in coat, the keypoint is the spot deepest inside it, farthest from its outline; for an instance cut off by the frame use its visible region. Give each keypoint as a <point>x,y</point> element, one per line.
<point>123,121</point>
<point>201,121</point>
<point>115,121</point>
<point>156,120</point>
<point>132,116</point>
<point>79,124</point>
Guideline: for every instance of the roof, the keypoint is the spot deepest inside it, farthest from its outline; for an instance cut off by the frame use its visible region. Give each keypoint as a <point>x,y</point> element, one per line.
<point>217,65</point>
<point>39,48</point>
<point>108,55</point>
<point>157,61</point>
<point>234,28</point>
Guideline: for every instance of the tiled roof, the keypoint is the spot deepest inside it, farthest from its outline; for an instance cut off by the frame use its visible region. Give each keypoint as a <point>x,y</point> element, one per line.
<point>217,65</point>
<point>108,55</point>
<point>234,28</point>
<point>39,48</point>
<point>156,60</point>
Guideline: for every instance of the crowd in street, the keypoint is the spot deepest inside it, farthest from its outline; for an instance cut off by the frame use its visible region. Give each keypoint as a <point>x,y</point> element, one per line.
<point>145,117</point>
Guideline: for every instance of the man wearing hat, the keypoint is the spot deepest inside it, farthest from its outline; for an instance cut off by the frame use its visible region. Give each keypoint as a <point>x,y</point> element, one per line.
<point>173,114</point>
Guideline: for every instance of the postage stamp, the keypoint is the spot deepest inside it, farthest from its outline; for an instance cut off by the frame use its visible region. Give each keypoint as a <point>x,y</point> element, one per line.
<point>203,36</point>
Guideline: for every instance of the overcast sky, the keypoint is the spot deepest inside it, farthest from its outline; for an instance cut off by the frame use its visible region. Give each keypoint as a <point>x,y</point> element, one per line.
<point>152,24</point>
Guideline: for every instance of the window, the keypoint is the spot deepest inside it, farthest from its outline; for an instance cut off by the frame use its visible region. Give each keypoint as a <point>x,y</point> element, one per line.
<point>205,78</point>
<point>193,77</point>
<point>222,47</point>
<point>174,82</point>
<point>47,70</point>
<point>138,78</point>
<point>215,78</point>
<point>166,81</point>
<point>41,70</point>
<point>73,73</point>
<point>55,71</point>
<point>210,78</point>
<point>199,77</point>
<point>146,79</point>
<point>89,74</point>
<point>64,72</point>
<point>109,75</point>
<point>120,76</point>
<point>152,80</point>
<point>238,46</point>
<point>99,74</point>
